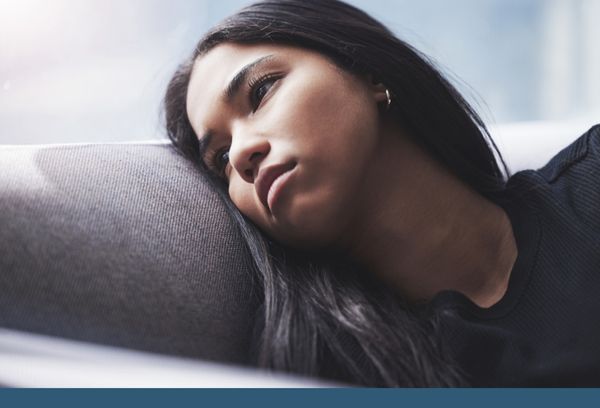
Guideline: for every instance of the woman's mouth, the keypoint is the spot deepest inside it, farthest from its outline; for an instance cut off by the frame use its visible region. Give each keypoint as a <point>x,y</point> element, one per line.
<point>270,182</point>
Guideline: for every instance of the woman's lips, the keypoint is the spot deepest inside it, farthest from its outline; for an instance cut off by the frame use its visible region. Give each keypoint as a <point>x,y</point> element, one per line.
<point>270,181</point>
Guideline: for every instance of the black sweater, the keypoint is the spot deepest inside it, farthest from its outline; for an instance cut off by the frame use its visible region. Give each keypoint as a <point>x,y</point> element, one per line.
<point>545,331</point>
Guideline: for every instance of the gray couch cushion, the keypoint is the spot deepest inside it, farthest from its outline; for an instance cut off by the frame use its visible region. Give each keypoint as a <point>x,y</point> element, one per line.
<point>123,245</point>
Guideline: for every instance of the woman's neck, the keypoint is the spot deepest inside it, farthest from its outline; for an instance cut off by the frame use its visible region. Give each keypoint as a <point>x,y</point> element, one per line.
<point>423,230</point>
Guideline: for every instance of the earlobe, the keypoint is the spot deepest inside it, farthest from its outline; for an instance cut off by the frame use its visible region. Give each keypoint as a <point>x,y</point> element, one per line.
<point>388,96</point>
<point>380,92</point>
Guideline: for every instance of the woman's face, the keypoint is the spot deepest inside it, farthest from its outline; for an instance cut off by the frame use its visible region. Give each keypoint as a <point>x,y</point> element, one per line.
<point>292,135</point>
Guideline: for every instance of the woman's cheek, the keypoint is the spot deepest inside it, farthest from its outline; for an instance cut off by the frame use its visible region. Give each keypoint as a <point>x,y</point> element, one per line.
<point>241,194</point>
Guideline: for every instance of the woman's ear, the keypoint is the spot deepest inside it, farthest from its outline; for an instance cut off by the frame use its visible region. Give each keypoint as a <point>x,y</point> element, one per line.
<point>377,89</point>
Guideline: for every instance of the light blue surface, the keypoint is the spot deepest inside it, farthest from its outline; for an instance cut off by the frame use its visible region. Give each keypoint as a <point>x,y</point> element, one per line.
<point>96,70</point>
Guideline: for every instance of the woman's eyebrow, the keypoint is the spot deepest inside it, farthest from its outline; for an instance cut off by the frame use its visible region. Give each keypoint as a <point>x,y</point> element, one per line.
<point>241,77</point>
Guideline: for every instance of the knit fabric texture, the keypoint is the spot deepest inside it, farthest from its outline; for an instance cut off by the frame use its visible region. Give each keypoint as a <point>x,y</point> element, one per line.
<point>124,245</point>
<point>545,331</point>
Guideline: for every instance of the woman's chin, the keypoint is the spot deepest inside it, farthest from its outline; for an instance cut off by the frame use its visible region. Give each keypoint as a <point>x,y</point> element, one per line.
<point>310,220</point>
<point>307,233</point>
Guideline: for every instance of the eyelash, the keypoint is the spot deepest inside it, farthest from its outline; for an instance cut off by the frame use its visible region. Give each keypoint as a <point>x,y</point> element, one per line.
<point>218,166</point>
<point>254,85</point>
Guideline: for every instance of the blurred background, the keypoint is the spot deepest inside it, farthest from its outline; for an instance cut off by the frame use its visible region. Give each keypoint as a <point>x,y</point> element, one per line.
<point>95,70</point>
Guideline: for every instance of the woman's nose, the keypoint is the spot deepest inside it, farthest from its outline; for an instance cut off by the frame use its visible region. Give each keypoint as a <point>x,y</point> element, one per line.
<point>246,154</point>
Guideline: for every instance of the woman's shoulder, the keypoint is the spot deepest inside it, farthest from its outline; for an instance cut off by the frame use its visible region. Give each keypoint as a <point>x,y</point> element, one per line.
<point>568,186</point>
<point>580,159</point>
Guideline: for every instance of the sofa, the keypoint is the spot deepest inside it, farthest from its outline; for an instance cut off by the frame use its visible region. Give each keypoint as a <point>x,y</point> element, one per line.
<point>122,245</point>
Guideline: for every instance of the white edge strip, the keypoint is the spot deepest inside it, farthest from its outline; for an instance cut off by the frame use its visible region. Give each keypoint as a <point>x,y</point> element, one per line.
<point>31,360</point>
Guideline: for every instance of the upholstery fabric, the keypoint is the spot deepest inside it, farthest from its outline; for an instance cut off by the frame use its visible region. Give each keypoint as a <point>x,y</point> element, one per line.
<point>124,245</point>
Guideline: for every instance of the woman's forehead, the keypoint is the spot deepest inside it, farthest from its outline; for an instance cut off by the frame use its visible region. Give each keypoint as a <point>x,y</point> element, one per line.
<point>215,69</point>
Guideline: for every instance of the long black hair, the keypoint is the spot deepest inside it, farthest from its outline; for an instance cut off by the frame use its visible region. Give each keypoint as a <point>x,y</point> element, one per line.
<point>322,316</point>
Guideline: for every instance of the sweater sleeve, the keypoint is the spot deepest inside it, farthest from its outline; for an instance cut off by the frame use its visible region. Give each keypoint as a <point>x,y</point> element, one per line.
<point>574,176</point>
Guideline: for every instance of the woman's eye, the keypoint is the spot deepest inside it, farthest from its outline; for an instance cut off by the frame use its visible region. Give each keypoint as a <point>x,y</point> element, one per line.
<point>221,160</point>
<point>259,91</point>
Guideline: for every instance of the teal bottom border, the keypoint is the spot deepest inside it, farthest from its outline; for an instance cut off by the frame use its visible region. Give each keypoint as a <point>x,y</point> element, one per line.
<point>291,398</point>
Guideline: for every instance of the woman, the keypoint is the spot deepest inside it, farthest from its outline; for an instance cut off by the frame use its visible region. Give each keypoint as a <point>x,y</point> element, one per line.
<point>397,254</point>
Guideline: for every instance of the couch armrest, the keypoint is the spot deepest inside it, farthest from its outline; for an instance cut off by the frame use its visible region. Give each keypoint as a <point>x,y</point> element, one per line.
<point>124,245</point>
